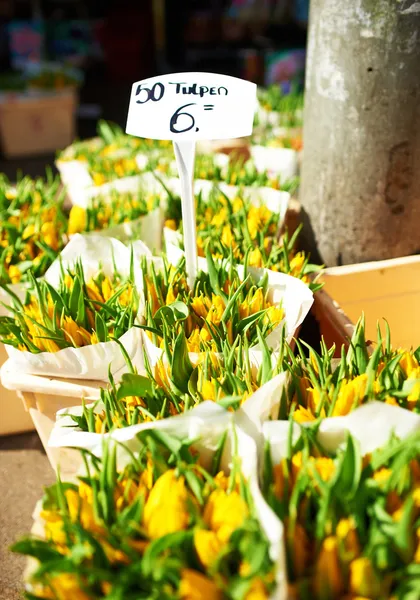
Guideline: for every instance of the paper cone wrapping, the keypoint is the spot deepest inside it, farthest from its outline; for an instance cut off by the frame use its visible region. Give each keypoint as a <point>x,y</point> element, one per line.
<point>88,362</point>
<point>260,406</point>
<point>277,161</point>
<point>206,423</point>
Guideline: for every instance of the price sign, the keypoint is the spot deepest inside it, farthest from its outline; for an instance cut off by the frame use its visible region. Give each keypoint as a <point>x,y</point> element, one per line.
<point>192,106</point>
<point>185,107</point>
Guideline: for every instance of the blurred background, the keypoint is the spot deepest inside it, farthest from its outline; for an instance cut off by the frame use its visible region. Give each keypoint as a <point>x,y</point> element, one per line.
<point>67,63</point>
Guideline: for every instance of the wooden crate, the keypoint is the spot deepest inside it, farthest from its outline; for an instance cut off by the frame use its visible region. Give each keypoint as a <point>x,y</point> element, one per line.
<point>43,396</point>
<point>13,416</point>
<point>37,124</point>
<point>388,289</point>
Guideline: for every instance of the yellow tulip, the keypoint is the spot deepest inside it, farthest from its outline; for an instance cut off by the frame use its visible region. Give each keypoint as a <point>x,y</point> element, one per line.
<point>408,363</point>
<point>303,415</point>
<point>257,302</point>
<point>225,512</point>
<point>67,587</point>
<point>328,577</point>
<point>364,580</point>
<point>49,233</point>
<point>14,274</point>
<point>351,392</point>
<point>207,545</point>
<point>74,333</point>
<point>28,231</point>
<point>195,586</point>
<point>227,237</point>
<point>255,258</point>
<point>166,509</point>
<point>216,310</point>
<point>257,591</point>
<point>77,220</point>
<point>171,224</point>
<point>347,534</point>
<point>193,342</point>
<point>198,304</point>
<point>325,467</point>
<point>273,316</point>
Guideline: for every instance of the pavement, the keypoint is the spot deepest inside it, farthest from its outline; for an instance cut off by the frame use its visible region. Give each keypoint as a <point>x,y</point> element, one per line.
<point>24,471</point>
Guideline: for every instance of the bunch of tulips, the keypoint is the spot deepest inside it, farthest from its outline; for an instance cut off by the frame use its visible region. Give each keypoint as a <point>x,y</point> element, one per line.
<point>76,313</point>
<point>351,521</point>
<point>248,231</point>
<point>32,227</point>
<point>162,527</point>
<point>220,307</point>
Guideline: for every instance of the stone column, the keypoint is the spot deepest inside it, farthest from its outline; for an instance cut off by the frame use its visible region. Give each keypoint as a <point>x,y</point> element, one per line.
<point>361,167</point>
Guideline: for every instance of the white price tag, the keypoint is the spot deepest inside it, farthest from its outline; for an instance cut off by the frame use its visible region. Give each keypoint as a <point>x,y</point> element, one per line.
<point>192,106</point>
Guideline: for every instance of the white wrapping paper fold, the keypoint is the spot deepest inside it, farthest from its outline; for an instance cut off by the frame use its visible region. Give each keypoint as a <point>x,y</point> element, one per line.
<point>372,424</point>
<point>277,161</point>
<point>88,362</point>
<point>260,406</point>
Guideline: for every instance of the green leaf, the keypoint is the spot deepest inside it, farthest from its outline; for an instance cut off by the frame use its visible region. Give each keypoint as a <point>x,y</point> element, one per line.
<point>133,384</point>
<point>181,367</point>
<point>347,480</point>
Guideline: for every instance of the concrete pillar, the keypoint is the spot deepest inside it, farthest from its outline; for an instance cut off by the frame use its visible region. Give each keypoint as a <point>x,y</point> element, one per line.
<point>361,167</point>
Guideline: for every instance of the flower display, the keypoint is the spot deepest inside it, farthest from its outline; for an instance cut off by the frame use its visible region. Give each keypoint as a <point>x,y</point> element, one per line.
<point>77,313</point>
<point>161,527</point>
<point>220,309</point>
<point>326,387</point>
<point>32,227</point>
<point>351,521</point>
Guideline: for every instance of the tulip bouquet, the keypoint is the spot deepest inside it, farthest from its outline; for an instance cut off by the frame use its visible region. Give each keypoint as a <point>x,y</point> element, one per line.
<point>111,140</point>
<point>72,322</point>
<point>325,387</point>
<point>220,308</point>
<point>279,109</point>
<point>79,313</point>
<point>247,229</point>
<point>89,165</point>
<point>116,209</point>
<point>166,525</point>
<point>32,228</point>
<point>351,517</point>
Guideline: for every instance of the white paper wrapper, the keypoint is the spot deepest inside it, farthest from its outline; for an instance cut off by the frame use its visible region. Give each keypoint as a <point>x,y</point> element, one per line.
<point>277,161</point>
<point>259,407</point>
<point>372,424</point>
<point>88,362</point>
<point>206,424</point>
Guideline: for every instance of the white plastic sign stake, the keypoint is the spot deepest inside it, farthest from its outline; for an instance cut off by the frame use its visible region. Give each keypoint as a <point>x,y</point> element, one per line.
<point>192,106</point>
<point>185,154</point>
<point>185,107</point>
